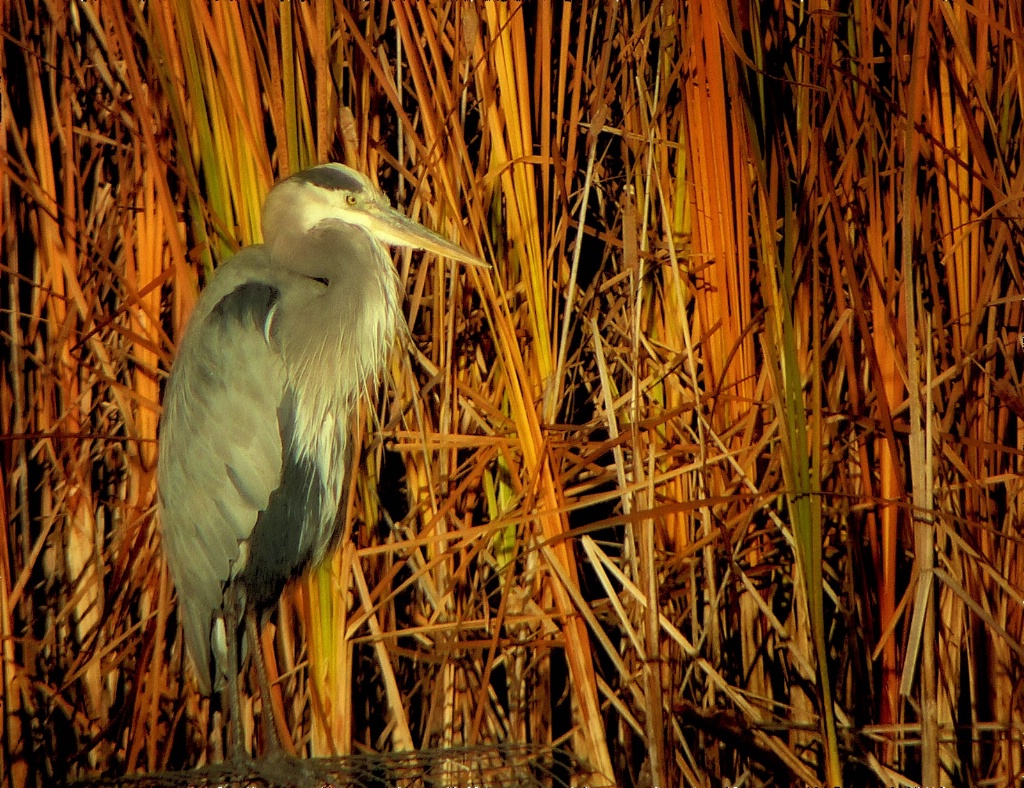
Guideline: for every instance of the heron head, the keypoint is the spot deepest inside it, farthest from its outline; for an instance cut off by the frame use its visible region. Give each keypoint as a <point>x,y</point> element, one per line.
<point>336,193</point>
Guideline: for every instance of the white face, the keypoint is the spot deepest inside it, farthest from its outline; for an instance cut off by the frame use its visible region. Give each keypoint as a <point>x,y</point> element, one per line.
<point>334,192</point>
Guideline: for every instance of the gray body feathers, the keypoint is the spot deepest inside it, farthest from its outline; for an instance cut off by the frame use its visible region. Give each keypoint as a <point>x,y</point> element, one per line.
<point>253,450</point>
<point>254,434</point>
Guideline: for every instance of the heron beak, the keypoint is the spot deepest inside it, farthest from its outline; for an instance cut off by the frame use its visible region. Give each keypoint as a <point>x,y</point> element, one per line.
<point>394,229</point>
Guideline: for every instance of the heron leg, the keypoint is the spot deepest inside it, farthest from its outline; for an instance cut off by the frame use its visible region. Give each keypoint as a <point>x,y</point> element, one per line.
<point>278,766</point>
<point>252,629</point>
<point>232,604</point>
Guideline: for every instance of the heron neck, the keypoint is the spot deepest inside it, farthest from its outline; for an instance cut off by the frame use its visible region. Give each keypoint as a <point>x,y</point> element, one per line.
<point>350,326</point>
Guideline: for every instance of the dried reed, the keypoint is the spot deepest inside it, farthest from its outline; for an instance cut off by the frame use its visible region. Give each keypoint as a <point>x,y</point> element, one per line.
<point>714,477</point>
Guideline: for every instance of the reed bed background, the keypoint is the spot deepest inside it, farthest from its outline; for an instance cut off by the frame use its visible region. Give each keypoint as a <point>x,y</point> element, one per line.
<point>714,477</point>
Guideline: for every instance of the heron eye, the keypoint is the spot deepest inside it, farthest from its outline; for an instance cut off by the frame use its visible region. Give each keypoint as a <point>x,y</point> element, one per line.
<point>351,199</point>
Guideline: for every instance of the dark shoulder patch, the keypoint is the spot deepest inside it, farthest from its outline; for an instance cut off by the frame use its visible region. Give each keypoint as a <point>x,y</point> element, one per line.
<point>249,304</point>
<point>327,177</point>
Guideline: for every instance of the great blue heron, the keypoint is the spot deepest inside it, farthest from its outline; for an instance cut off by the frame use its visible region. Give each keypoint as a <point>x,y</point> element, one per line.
<point>254,435</point>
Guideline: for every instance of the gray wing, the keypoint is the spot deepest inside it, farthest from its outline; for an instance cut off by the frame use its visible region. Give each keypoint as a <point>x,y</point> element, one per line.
<point>220,442</point>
